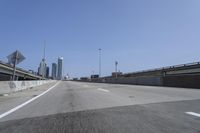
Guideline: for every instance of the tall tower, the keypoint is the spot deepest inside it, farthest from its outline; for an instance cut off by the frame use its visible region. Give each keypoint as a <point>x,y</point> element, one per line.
<point>60,68</point>
<point>54,70</point>
<point>44,52</point>
<point>43,65</point>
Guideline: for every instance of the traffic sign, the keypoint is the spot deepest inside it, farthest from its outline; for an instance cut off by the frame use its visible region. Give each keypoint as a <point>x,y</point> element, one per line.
<point>15,58</point>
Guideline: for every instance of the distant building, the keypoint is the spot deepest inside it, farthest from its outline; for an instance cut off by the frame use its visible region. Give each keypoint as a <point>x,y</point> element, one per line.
<point>54,71</point>
<point>42,68</point>
<point>60,65</point>
<point>38,71</point>
<point>94,76</point>
<point>47,72</point>
<point>75,79</point>
<point>31,71</point>
<point>84,79</point>
<point>116,74</point>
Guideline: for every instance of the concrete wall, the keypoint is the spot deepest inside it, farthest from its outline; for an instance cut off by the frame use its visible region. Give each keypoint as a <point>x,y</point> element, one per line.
<point>140,80</point>
<point>14,86</point>
<point>180,80</point>
<point>186,75</point>
<point>187,81</point>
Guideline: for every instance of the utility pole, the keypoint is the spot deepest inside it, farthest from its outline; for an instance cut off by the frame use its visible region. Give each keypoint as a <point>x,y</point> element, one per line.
<point>116,63</point>
<point>99,62</point>
<point>93,72</point>
<point>14,65</point>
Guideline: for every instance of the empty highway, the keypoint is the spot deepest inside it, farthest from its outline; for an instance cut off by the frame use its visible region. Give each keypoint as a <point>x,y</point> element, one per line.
<point>78,107</point>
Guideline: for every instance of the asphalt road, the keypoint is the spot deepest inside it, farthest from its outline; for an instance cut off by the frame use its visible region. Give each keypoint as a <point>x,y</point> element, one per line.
<point>75,107</point>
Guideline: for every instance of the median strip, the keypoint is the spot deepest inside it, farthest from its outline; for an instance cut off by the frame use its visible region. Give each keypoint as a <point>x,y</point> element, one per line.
<point>193,113</point>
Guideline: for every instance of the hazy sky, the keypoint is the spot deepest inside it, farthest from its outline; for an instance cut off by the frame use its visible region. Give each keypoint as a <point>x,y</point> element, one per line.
<point>139,34</point>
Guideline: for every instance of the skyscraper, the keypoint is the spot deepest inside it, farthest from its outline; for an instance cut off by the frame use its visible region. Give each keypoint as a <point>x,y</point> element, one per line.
<point>42,68</point>
<point>47,72</point>
<point>60,63</point>
<point>54,70</point>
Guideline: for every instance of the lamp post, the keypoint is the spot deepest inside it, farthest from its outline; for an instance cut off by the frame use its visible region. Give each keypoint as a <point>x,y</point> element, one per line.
<point>116,63</point>
<point>99,62</point>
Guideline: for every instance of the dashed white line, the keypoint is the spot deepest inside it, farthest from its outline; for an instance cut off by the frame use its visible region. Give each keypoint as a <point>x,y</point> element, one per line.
<point>27,102</point>
<point>100,89</point>
<point>193,113</point>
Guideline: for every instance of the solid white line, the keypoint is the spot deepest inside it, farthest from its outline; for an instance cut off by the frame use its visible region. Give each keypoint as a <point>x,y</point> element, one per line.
<point>103,90</point>
<point>27,102</point>
<point>193,113</point>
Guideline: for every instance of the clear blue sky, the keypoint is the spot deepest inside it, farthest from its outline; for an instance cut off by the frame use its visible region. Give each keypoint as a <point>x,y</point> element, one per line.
<point>139,34</point>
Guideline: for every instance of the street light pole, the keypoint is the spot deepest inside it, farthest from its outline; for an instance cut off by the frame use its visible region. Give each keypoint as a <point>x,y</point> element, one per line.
<point>93,72</point>
<point>99,62</point>
<point>116,63</point>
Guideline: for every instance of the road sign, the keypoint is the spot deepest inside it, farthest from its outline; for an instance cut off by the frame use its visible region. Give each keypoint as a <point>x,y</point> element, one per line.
<point>15,58</point>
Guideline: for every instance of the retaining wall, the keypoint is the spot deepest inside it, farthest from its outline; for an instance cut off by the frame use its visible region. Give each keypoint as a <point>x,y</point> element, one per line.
<point>188,81</point>
<point>181,80</point>
<point>141,80</point>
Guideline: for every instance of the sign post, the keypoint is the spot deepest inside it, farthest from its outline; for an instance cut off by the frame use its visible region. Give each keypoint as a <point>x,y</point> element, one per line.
<point>15,58</point>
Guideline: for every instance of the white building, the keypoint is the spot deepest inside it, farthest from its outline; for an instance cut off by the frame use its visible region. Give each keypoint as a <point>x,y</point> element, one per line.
<point>42,68</point>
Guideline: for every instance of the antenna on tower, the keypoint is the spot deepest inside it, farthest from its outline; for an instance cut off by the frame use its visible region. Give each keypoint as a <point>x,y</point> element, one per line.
<point>44,56</point>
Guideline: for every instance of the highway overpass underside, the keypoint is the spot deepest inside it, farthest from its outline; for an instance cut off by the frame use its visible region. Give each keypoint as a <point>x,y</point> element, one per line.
<point>7,77</point>
<point>6,72</point>
<point>4,77</point>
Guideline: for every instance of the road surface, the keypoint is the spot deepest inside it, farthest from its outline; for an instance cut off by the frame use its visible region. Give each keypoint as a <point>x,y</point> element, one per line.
<point>76,107</point>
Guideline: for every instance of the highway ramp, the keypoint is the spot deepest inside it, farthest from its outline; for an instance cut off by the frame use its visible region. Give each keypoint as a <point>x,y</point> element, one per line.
<point>76,107</point>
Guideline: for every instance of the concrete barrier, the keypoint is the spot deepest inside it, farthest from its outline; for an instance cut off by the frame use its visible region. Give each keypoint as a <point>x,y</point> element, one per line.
<point>139,80</point>
<point>173,80</point>
<point>7,87</point>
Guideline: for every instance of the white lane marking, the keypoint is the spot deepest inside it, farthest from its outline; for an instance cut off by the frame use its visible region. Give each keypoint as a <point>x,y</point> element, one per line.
<point>100,89</point>
<point>193,113</point>
<point>27,102</point>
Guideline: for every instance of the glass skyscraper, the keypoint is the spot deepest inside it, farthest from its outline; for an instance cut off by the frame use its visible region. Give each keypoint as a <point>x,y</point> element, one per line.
<point>47,72</point>
<point>54,70</point>
<point>60,65</point>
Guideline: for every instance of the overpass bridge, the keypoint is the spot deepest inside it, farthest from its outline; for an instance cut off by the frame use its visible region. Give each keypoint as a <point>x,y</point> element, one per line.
<point>6,72</point>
